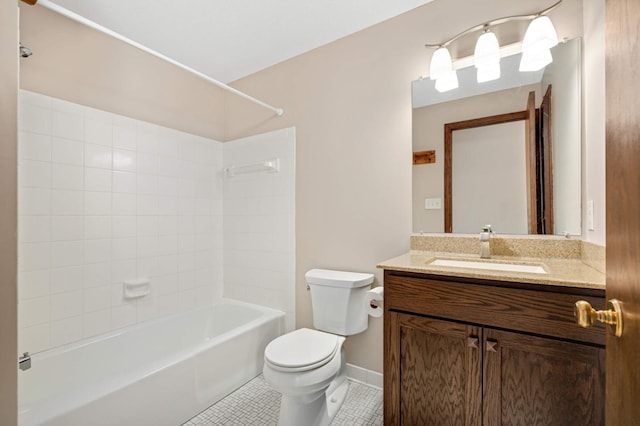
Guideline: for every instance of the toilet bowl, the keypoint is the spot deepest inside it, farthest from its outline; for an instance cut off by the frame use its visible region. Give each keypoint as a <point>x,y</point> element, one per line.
<point>308,367</point>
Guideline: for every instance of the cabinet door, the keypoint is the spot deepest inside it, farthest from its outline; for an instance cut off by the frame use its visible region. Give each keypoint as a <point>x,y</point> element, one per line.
<point>539,381</point>
<point>439,367</point>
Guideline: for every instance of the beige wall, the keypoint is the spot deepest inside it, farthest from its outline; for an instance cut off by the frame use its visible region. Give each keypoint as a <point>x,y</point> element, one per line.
<point>350,102</point>
<point>8,211</point>
<point>73,62</point>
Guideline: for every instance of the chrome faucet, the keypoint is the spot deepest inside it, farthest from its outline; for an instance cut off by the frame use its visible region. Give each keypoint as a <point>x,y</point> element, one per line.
<point>485,238</point>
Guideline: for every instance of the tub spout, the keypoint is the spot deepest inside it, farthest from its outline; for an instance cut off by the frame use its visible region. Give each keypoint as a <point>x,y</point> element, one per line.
<point>24,362</point>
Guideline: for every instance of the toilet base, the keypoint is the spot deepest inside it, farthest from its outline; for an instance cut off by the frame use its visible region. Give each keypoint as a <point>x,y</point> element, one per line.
<point>296,411</point>
<point>335,397</point>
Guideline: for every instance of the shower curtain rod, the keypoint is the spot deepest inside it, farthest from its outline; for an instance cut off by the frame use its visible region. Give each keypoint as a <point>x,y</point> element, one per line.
<point>74,16</point>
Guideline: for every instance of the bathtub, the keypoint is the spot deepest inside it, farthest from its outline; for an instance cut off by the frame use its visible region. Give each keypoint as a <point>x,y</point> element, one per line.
<point>161,372</point>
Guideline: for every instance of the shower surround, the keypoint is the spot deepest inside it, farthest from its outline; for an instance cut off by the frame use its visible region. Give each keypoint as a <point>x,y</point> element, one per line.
<point>105,198</point>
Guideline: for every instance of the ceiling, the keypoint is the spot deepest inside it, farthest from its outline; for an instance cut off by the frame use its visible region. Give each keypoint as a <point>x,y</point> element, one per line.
<point>230,39</point>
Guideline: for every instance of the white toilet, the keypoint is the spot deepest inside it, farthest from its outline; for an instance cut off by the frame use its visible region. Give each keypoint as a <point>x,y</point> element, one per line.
<point>308,366</point>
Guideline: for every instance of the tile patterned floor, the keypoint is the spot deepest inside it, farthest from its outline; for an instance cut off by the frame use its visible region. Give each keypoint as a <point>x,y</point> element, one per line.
<point>256,403</point>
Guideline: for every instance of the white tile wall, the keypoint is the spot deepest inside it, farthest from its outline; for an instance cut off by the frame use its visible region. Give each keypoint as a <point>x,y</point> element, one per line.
<point>103,198</point>
<point>259,223</point>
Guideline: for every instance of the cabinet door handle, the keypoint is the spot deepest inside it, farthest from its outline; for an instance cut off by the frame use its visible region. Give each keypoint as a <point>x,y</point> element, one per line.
<point>491,346</point>
<point>472,342</point>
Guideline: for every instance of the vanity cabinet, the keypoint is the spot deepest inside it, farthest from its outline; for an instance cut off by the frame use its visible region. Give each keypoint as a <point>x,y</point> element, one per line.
<point>462,351</point>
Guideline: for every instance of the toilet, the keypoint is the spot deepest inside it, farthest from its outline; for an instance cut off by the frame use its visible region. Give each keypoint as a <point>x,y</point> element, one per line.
<point>308,366</point>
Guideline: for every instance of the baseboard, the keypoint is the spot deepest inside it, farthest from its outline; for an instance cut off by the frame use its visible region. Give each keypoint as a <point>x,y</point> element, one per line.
<point>362,375</point>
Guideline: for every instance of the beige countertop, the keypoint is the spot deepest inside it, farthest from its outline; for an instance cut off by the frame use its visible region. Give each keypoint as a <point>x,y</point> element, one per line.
<point>565,272</point>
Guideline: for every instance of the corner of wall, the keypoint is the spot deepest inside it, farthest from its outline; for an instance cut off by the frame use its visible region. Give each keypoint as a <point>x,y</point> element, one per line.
<point>9,66</point>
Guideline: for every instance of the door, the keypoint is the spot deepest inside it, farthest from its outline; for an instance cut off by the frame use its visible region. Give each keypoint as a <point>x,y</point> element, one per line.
<point>530,151</point>
<point>623,207</point>
<point>545,142</point>
<point>439,370</point>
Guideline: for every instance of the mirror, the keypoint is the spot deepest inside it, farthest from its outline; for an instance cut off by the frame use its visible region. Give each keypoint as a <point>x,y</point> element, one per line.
<point>490,174</point>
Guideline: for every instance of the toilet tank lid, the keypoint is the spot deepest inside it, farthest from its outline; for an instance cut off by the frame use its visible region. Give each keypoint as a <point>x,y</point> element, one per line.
<point>329,278</point>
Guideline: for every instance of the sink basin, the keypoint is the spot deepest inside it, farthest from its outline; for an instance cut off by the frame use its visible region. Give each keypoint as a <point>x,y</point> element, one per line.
<point>493,266</point>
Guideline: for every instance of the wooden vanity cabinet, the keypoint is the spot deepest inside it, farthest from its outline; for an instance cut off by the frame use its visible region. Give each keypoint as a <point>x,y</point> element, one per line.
<point>480,352</point>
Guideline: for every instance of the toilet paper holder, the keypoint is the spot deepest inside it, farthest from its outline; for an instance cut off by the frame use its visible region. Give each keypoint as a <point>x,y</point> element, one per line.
<point>374,300</point>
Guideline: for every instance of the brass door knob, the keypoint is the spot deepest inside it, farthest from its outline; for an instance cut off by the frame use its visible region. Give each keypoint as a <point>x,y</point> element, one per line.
<point>586,316</point>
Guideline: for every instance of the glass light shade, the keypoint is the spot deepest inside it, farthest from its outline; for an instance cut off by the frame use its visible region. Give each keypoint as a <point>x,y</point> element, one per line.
<point>536,59</point>
<point>487,52</point>
<point>440,63</point>
<point>540,33</point>
<point>447,82</point>
<point>488,73</point>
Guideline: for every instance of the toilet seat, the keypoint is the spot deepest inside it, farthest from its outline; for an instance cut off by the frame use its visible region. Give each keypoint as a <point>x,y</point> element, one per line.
<point>301,350</point>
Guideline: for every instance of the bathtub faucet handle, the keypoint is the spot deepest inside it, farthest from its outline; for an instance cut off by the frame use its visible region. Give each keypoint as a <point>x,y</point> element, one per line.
<point>24,362</point>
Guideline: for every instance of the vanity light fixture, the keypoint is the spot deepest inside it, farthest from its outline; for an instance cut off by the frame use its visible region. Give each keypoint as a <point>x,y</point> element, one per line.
<point>539,38</point>
<point>486,57</point>
<point>440,63</point>
<point>441,70</point>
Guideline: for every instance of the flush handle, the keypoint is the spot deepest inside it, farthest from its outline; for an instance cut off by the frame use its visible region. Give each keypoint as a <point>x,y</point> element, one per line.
<point>586,316</point>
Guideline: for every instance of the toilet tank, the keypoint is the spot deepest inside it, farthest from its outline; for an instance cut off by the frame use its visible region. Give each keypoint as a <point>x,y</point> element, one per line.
<point>338,300</point>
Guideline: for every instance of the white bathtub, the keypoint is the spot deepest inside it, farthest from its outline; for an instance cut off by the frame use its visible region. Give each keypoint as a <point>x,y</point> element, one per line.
<point>161,372</point>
